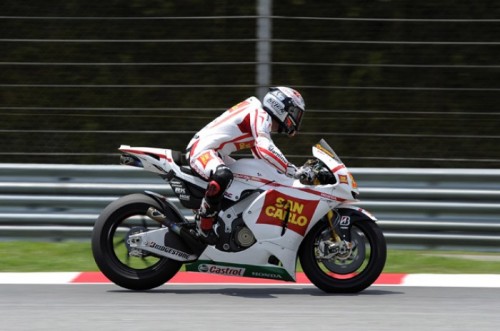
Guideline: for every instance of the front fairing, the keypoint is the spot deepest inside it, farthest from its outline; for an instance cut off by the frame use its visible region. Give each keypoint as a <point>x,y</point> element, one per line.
<point>345,187</point>
<point>305,204</point>
<point>256,174</point>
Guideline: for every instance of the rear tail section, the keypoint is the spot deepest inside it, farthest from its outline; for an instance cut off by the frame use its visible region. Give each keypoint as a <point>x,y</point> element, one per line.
<point>156,160</point>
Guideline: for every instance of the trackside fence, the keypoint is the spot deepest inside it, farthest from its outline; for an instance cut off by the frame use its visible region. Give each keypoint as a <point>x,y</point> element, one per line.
<point>421,208</point>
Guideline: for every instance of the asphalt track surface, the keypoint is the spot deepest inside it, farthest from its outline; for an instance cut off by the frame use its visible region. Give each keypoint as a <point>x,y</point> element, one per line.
<point>246,307</point>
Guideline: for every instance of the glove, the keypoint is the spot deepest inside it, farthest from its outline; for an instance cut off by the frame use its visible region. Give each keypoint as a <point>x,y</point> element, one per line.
<point>306,175</point>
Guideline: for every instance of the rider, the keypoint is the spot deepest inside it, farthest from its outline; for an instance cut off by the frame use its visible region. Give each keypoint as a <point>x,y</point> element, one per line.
<point>246,125</point>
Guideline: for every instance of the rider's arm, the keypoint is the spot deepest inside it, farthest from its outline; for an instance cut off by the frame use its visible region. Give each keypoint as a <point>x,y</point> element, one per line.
<point>264,146</point>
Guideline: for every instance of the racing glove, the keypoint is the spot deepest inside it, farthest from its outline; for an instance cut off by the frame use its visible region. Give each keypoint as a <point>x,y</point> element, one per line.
<point>305,174</point>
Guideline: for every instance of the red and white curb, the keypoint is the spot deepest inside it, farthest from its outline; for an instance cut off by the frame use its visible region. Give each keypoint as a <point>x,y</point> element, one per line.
<point>182,278</point>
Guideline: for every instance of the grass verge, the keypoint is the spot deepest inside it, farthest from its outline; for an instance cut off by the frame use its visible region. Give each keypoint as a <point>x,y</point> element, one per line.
<point>77,256</point>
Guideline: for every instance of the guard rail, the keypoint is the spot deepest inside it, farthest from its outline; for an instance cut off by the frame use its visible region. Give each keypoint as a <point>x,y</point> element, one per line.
<point>424,208</point>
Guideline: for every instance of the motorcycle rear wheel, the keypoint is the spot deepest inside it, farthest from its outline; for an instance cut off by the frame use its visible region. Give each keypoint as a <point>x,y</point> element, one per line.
<point>112,253</point>
<point>345,275</point>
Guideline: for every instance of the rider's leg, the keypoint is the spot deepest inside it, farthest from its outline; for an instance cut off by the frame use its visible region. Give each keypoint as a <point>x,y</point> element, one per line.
<point>210,166</point>
<point>210,205</point>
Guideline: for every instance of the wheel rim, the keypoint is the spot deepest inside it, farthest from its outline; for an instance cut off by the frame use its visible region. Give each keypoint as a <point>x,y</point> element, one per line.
<point>347,265</point>
<point>119,249</point>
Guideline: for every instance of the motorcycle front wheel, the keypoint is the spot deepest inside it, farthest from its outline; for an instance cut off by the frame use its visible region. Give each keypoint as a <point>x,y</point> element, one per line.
<point>134,270</point>
<point>349,272</point>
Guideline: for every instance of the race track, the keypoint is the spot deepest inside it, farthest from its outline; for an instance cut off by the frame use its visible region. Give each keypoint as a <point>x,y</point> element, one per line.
<point>246,307</point>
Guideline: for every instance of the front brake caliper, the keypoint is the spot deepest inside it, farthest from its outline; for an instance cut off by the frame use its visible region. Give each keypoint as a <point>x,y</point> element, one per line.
<point>333,242</point>
<point>329,249</point>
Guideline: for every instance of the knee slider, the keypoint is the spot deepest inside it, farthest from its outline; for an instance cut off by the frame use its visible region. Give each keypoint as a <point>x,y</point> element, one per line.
<point>223,176</point>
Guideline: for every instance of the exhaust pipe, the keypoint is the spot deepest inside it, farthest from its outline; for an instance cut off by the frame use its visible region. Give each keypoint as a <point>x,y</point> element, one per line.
<point>190,239</point>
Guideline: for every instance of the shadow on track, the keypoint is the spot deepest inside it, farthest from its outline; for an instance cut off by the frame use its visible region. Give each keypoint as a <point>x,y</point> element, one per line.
<point>255,292</point>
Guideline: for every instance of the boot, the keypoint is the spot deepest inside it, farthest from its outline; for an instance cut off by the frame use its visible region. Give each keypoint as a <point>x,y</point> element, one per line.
<point>206,219</point>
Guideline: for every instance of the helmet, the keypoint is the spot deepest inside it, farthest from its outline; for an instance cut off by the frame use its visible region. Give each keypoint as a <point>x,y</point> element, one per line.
<point>286,106</point>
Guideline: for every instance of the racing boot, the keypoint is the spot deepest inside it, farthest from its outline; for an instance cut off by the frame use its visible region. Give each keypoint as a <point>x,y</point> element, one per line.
<point>206,220</point>
<point>211,204</point>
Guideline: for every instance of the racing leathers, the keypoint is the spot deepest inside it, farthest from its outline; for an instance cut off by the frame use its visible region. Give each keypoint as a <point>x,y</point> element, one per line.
<point>245,126</point>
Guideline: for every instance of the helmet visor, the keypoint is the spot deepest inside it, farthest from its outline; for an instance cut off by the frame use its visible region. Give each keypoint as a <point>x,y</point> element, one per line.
<point>296,115</point>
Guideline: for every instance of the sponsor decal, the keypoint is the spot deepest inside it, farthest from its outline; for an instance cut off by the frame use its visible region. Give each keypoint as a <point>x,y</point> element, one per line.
<point>266,275</point>
<point>169,250</point>
<point>246,145</point>
<point>353,182</point>
<point>221,270</point>
<point>276,105</point>
<point>343,179</point>
<point>185,197</point>
<point>345,221</point>
<point>279,206</point>
<point>180,190</point>
<point>176,183</point>
<point>273,149</point>
<point>204,158</point>
<point>327,152</point>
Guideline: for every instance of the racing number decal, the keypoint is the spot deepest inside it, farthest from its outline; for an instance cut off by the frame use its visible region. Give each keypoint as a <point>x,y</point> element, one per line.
<point>278,205</point>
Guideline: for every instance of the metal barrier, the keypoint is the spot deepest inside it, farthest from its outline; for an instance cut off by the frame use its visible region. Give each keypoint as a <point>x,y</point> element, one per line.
<point>422,208</point>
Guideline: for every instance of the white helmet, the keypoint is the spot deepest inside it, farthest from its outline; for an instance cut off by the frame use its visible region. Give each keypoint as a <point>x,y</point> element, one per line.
<point>286,106</point>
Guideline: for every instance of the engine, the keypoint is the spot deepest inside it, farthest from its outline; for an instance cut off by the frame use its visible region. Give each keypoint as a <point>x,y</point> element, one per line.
<point>240,238</point>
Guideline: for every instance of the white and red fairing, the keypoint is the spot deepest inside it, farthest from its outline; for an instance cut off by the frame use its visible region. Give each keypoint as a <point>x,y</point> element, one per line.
<point>264,215</point>
<point>255,174</point>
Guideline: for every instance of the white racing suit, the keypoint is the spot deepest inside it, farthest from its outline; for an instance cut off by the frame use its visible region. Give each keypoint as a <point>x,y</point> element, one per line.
<point>246,125</point>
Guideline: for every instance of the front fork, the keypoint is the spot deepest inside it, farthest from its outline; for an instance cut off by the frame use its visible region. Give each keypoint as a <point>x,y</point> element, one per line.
<point>336,241</point>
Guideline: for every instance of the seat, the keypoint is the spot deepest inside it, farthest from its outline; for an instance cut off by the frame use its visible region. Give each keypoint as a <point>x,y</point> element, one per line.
<point>181,160</point>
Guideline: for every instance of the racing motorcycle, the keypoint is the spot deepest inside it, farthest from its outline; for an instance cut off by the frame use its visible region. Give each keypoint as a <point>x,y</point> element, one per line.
<point>267,223</point>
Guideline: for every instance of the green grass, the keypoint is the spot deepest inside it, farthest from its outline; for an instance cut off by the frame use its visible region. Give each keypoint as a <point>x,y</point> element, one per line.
<point>46,256</point>
<point>77,256</point>
<point>445,262</point>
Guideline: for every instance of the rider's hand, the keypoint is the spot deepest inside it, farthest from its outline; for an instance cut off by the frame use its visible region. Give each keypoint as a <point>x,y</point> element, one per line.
<point>305,174</point>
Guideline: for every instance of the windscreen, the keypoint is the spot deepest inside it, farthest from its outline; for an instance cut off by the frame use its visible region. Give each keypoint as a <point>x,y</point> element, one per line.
<point>324,147</point>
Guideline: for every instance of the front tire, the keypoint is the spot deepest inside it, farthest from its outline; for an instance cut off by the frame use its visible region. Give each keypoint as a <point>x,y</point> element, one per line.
<point>345,275</point>
<point>111,251</point>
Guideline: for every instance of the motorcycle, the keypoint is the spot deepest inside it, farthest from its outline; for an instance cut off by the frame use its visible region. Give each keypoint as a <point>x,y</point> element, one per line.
<point>267,223</point>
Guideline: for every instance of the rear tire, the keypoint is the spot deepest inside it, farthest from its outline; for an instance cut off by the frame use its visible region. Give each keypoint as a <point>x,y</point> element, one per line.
<point>350,275</point>
<point>111,253</point>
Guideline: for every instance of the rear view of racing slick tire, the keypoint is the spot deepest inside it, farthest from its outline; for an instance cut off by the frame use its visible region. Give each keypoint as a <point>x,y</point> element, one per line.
<point>134,270</point>
<point>349,270</point>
